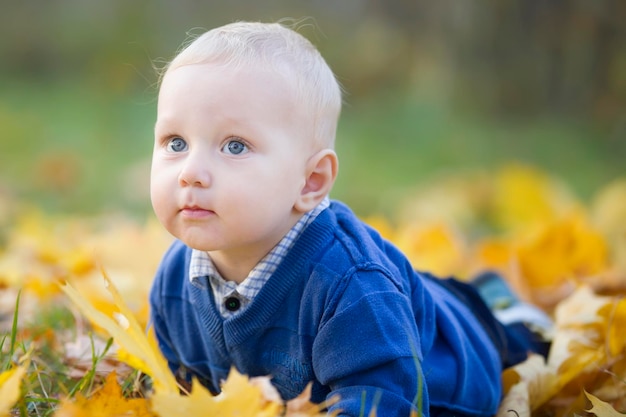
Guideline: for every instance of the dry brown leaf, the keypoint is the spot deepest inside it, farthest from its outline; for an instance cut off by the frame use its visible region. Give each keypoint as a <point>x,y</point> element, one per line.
<point>579,330</point>
<point>580,335</point>
<point>516,402</point>
<point>532,380</point>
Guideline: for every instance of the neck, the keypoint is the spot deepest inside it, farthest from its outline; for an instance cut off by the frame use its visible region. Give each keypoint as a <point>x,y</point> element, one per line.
<point>234,268</point>
<point>235,264</point>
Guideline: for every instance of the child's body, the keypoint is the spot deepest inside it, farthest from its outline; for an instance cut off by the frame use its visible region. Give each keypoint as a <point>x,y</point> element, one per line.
<point>270,276</point>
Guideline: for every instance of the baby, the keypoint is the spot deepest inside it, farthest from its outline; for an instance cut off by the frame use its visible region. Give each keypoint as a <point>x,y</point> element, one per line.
<point>270,276</point>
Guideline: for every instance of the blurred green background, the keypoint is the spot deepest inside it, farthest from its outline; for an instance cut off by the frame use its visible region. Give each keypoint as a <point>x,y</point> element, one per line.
<point>431,87</point>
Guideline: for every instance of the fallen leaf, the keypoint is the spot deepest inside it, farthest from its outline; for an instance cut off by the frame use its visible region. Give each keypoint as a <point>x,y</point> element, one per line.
<point>524,197</point>
<point>10,383</point>
<point>516,402</point>
<point>562,250</point>
<point>301,406</point>
<point>436,248</point>
<point>141,352</point>
<point>79,354</point>
<point>108,401</point>
<point>238,398</point>
<point>614,315</point>
<point>533,380</point>
<point>600,408</point>
<point>583,328</point>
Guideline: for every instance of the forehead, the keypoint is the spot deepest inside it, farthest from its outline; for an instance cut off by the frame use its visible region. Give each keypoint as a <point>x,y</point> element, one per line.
<point>242,93</point>
<point>208,79</point>
<point>218,85</point>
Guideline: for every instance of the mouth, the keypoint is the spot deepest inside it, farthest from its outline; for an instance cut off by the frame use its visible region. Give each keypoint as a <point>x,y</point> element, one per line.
<point>195,212</point>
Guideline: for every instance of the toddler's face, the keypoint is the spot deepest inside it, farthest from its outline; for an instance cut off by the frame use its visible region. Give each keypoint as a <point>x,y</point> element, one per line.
<point>229,158</point>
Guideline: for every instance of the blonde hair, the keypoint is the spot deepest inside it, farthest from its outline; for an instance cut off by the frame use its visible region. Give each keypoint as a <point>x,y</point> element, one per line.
<point>276,47</point>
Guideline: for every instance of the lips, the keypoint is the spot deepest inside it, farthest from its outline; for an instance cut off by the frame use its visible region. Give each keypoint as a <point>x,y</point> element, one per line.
<point>196,212</point>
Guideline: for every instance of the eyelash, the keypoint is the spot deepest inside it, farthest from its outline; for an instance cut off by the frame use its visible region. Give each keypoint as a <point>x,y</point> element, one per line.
<point>168,139</point>
<point>236,139</point>
<point>165,139</point>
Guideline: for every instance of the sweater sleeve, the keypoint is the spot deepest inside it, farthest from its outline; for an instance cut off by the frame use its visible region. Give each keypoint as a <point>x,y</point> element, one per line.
<point>158,307</point>
<point>162,335</point>
<point>368,349</point>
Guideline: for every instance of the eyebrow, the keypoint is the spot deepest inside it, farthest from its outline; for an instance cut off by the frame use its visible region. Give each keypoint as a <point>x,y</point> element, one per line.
<point>161,121</point>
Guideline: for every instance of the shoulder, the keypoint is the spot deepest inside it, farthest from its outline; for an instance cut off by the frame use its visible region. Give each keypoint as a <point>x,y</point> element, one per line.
<point>177,248</point>
<point>174,266</point>
<point>354,256</point>
<point>357,248</point>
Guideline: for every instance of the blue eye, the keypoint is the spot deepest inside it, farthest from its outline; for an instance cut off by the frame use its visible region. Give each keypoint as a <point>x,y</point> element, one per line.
<point>177,145</point>
<point>235,147</point>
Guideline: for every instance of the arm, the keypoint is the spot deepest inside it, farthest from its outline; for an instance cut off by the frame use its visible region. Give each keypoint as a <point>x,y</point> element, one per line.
<point>368,348</point>
<point>173,265</point>
<point>158,323</point>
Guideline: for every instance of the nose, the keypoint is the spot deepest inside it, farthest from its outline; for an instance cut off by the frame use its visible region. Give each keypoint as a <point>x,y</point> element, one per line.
<point>195,171</point>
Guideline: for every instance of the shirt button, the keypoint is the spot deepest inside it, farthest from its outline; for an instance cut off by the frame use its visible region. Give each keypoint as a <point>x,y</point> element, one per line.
<point>232,304</point>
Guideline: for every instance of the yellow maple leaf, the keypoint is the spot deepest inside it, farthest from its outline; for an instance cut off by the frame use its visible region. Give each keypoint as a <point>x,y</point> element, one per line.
<point>494,253</point>
<point>140,350</point>
<point>523,197</point>
<point>561,253</point>
<point>533,380</point>
<point>302,406</point>
<point>238,398</point>
<point>106,402</point>
<point>608,214</point>
<point>434,247</point>
<point>582,330</point>
<point>601,408</point>
<point>614,320</point>
<point>10,382</point>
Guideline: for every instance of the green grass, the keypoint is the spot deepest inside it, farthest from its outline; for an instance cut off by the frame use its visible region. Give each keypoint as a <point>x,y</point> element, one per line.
<point>386,148</point>
<point>42,337</point>
<point>73,148</point>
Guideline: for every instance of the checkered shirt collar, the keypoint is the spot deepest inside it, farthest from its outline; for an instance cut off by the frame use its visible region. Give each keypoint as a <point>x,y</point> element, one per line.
<point>201,266</point>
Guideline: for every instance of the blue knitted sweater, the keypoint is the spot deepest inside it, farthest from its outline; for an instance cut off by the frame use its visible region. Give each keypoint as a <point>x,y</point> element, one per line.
<point>344,310</point>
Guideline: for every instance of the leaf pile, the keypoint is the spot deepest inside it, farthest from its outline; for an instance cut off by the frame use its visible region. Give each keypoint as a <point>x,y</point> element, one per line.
<point>73,346</point>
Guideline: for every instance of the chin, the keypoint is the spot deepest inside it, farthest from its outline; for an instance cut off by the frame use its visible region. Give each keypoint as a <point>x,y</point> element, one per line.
<point>198,244</point>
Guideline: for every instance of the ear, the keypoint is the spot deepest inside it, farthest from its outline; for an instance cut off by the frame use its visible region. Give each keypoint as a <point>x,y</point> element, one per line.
<point>321,171</point>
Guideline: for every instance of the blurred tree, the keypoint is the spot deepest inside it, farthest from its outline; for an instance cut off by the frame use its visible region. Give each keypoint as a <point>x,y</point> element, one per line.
<point>537,56</point>
<point>513,57</point>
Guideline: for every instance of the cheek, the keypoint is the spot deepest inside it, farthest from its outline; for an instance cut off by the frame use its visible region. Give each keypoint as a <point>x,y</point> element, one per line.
<point>160,192</point>
<point>162,173</point>
<point>158,204</point>
<point>155,186</point>
<point>164,209</point>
